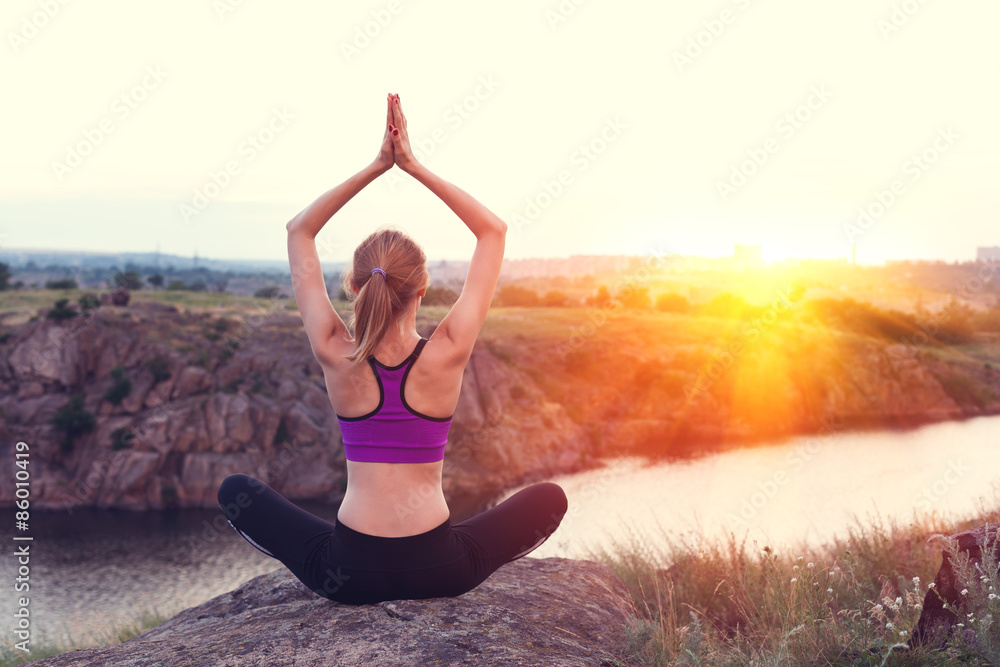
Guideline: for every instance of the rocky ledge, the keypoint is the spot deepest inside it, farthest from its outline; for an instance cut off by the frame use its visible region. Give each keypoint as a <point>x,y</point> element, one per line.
<point>551,612</point>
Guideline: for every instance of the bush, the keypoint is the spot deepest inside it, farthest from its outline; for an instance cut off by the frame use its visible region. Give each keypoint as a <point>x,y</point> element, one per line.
<point>555,299</point>
<point>130,280</point>
<point>120,389</point>
<point>61,311</point>
<point>634,297</point>
<point>439,296</point>
<point>73,420</point>
<point>672,302</point>
<point>158,367</point>
<point>601,298</point>
<point>5,275</point>
<point>176,285</point>
<point>726,305</point>
<point>89,302</point>
<point>269,292</point>
<point>515,296</point>
<point>63,283</point>
<point>862,317</point>
<point>156,280</point>
<point>121,438</point>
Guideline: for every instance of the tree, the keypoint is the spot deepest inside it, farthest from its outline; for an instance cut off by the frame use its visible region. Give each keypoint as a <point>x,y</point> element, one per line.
<point>5,275</point>
<point>634,297</point>
<point>555,299</point>
<point>62,283</point>
<point>601,298</point>
<point>130,280</point>
<point>156,280</point>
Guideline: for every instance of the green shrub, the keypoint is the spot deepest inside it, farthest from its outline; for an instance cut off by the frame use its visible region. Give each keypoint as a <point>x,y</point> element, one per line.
<point>73,420</point>
<point>121,438</point>
<point>61,311</point>
<point>88,302</point>
<point>269,292</point>
<point>158,367</point>
<point>120,389</point>
<point>130,280</point>
<point>62,283</point>
<point>176,285</point>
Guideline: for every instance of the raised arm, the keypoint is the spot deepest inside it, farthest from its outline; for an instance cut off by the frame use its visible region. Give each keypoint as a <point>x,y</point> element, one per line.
<point>323,325</point>
<point>460,327</point>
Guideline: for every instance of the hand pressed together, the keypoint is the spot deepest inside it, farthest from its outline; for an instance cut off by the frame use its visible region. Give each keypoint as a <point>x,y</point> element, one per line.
<point>396,141</point>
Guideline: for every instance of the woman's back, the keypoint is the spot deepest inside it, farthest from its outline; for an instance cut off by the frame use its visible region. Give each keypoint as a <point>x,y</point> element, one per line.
<point>396,491</point>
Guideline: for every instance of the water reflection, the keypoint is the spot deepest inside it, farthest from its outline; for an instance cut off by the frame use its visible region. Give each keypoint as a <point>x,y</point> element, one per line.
<point>806,489</point>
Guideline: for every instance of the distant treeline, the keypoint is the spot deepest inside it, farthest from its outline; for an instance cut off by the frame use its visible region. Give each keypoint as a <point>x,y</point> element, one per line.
<point>957,322</point>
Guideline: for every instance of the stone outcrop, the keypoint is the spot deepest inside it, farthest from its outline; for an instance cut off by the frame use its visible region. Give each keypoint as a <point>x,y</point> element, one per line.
<point>936,623</point>
<point>552,612</point>
<point>212,395</point>
<point>234,395</point>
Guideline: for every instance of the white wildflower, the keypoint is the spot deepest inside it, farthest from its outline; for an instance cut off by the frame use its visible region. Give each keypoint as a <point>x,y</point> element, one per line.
<point>965,591</point>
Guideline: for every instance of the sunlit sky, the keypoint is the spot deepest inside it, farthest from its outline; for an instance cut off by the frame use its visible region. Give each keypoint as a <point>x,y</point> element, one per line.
<point>117,114</point>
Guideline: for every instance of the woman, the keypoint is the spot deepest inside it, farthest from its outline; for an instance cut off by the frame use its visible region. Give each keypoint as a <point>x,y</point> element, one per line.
<point>394,393</point>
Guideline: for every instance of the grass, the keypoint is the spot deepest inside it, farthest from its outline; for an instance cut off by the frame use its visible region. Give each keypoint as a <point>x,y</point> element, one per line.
<point>108,636</point>
<point>855,601</point>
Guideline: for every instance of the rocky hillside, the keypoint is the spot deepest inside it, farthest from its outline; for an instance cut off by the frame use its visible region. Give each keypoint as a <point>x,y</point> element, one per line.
<point>209,396</point>
<point>182,399</point>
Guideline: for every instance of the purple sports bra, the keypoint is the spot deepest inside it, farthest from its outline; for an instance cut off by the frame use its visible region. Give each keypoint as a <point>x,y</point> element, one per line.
<point>394,432</point>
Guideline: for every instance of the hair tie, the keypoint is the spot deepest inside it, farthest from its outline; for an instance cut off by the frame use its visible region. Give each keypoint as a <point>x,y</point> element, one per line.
<point>374,271</point>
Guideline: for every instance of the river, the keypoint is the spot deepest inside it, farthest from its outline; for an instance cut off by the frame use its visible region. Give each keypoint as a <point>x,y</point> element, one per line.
<point>94,569</point>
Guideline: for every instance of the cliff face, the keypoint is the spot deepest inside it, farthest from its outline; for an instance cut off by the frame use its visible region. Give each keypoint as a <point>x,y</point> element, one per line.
<point>675,386</point>
<point>550,612</point>
<point>240,397</point>
<point>211,396</point>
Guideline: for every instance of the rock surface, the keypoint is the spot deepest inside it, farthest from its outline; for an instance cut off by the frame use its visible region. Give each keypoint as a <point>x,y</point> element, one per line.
<point>213,394</point>
<point>242,396</point>
<point>936,623</point>
<point>553,612</point>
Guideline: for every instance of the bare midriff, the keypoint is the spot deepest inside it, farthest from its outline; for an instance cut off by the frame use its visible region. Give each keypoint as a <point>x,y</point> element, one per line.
<point>393,499</point>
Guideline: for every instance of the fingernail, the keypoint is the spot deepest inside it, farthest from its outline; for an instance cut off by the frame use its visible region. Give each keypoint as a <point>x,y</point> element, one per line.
<point>395,132</point>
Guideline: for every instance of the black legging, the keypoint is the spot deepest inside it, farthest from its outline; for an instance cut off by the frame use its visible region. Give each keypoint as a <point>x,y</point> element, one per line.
<point>341,564</point>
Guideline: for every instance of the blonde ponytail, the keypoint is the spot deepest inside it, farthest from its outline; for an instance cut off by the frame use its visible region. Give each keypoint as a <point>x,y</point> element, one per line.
<point>384,295</point>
